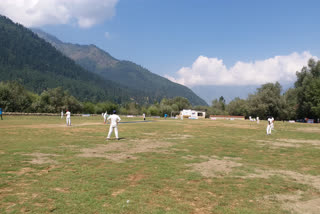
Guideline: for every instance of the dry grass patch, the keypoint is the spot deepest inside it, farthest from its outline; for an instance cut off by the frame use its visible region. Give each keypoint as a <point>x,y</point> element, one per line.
<point>310,180</point>
<point>41,158</point>
<point>62,190</point>
<point>294,143</point>
<point>294,203</point>
<point>311,142</point>
<point>309,129</point>
<point>22,171</point>
<point>215,166</point>
<point>120,151</point>
<point>278,144</point>
<point>179,137</point>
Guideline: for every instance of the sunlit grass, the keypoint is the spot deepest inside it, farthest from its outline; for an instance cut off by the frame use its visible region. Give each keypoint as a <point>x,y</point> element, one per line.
<point>153,168</point>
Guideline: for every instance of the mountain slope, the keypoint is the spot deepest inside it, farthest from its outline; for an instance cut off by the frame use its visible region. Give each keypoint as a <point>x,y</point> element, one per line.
<point>127,73</point>
<point>26,57</point>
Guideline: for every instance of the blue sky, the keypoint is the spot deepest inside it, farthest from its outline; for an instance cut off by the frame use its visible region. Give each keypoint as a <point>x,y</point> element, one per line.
<point>185,39</point>
<point>168,34</point>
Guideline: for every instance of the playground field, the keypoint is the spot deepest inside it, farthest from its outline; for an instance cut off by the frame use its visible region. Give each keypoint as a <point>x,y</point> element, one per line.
<point>161,166</point>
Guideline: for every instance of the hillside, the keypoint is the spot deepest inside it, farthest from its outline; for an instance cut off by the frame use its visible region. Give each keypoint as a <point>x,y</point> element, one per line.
<point>127,73</point>
<point>38,65</point>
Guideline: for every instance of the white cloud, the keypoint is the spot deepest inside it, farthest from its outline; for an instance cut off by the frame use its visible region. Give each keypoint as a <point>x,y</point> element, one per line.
<point>35,13</point>
<point>212,71</point>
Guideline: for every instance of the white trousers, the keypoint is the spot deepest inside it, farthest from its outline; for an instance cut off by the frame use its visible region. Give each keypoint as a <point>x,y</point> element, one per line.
<point>68,120</point>
<point>115,131</point>
<point>269,129</point>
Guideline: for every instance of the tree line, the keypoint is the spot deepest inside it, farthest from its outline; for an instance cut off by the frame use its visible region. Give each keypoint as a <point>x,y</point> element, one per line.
<point>302,101</point>
<point>15,98</point>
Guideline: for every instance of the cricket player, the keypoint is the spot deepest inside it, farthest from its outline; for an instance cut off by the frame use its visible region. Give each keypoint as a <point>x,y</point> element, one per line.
<point>114,120</point>
<point>144,116</point>
<point>272,123</point>
<point>258,120</point>
<point>68,118</point>
<point>105,115</point>
<point>269,126</point>
<point>61,114</point>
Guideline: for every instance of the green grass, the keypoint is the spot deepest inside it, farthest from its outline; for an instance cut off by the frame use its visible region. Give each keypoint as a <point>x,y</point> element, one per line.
<point>135,175</point>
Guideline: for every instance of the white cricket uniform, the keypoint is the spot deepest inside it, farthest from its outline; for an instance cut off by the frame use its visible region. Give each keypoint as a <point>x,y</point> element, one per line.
<point>258,120</point>
<point>61,114</point>
<point>269,126</point>
<point>68,118</point>
<point>105,117</point>
<point>144,116</point>
<point>114,119</point>
<point>272,123</point>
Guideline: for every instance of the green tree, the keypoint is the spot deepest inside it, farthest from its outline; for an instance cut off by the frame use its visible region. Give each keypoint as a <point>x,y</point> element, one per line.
<point>266,101</point>
<point>308,90</point>
<point>14,97</point>
<point>238,107</point>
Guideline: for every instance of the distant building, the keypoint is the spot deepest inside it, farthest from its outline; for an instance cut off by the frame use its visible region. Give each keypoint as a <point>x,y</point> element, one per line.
<point>226,117</point>
<point>193,114</point>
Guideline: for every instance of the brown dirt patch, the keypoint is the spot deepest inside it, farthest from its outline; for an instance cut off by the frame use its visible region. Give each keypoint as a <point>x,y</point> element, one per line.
<point>309,129</point>
<point>151,134</point>
<point>62,190</point>
<point>290,143</point>
<point>41,158</point>
<point>179,137</point>
<point>215,167</point>
<point>118,192</point>
<point>120,151</point>
<point>294,203</point>
<point>22,171</point>
<point>311,142</point>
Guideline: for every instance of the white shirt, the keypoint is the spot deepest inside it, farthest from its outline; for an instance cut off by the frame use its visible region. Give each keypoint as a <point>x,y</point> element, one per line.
<point>269,121</point>
<point>68,114</point>
<point>114,119</point>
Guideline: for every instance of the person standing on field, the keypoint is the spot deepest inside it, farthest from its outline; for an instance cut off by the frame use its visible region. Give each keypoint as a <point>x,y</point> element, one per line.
<point>114,120</point>
<point>269,126</point>
<point>105,115</point>
<point>144,116</point>
<point>68,118</point>
<point>61,114</point>
<point>1,113</point>
<point>272,123</point>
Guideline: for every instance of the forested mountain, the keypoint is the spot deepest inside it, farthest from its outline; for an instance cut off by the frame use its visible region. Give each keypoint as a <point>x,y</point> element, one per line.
<point>135,77</point>
<point>38,66</point>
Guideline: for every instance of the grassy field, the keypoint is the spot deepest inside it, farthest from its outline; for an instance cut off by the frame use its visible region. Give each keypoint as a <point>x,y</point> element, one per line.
<point>163,166</point>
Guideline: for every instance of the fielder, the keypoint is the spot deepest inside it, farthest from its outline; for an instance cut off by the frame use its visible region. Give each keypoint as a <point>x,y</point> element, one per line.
<point>272,123</point>
<point>114,120</point>
<point>61,114</point>
<point>144,116</point>
<point>105,115</point>
<point>269,126</point>
<point>68,118</point>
